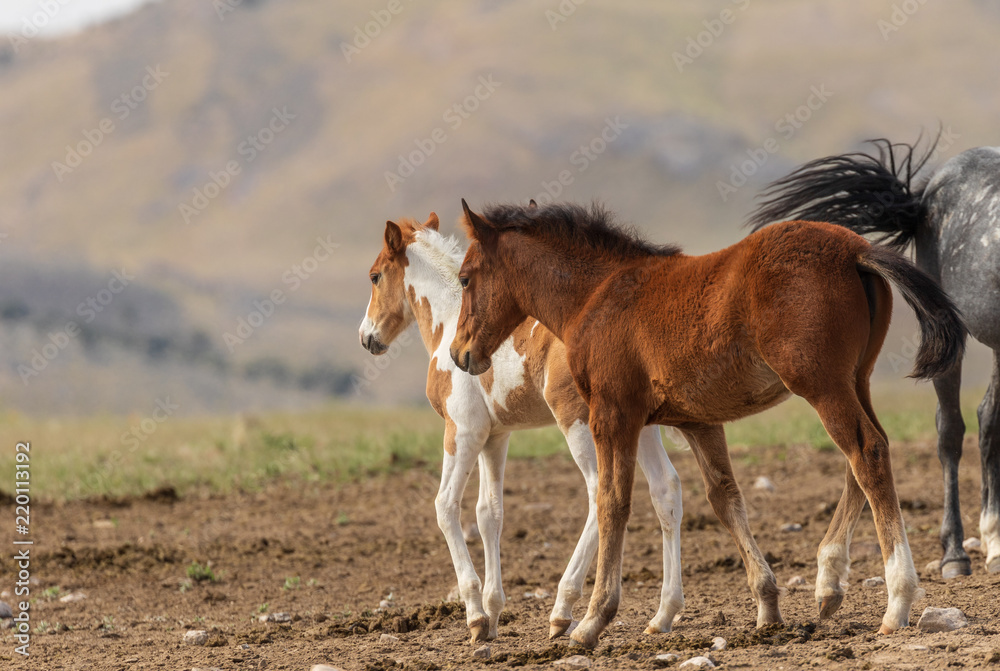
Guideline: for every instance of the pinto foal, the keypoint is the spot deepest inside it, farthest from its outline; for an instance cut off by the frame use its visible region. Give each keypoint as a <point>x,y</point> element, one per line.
<point>415,278</point>
<point>655,336</point>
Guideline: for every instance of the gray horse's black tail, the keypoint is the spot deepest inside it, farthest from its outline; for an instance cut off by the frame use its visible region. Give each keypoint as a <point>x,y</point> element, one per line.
<point>862,192</point>
<point>942,332</point>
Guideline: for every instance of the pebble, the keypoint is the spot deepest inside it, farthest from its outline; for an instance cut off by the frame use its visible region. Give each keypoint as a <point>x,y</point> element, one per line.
<point>275,617</point>
<point>697,662</point>
<point>793,526</point>
<point>918,648</point>
<point>718,644</point>
<point>384,604</point>
<point>5,610</point>
<point>196,637</point>
<point>941,619</point>
<point>667,657</point>
<point>575,662</point>
<point>388,639</point>
<point>972,544</point>
<point>764,482</point>
<point>471,533</point>
<point>482,653</point>
<point>325,667</point>
<point>73,597</point>
<point>537,594</point>
<point>874,581</point>
<point>795,581</point>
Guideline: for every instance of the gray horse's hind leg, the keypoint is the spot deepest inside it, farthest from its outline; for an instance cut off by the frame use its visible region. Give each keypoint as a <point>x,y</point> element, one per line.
<point>951,431</point>
<point>989,447</point>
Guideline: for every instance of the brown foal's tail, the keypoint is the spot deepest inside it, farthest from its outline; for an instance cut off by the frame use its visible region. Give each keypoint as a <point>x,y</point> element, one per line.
<point>942,332</point>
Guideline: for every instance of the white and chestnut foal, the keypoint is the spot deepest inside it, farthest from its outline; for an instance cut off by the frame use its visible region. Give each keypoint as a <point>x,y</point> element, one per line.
<point>415,279</point>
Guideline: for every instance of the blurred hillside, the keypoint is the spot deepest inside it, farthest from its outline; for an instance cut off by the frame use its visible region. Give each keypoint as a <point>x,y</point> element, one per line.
<point>219,156</point>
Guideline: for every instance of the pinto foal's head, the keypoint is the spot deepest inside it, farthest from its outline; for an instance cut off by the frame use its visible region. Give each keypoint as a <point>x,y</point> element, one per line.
<point>489,312</point>
<point>388,311</point>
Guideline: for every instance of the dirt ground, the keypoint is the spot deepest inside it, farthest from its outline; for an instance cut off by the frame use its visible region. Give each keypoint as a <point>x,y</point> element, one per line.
<point>327,555</point>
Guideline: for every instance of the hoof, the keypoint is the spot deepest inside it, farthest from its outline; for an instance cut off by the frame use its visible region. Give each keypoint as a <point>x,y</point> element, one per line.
<point>577,638</point>
<point>653,629</point>
<point>993,564</point>
<point>955,568</point>
<point>558,627</point>
<point>479,630</point>
<point>829,605</point>
<point>885,631</point>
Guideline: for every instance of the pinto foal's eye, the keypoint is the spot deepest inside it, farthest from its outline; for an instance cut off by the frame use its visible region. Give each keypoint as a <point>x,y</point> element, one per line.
<point>374,277</point>
<point>464,281</point>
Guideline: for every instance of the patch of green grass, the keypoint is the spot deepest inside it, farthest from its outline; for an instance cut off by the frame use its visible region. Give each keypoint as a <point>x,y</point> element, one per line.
<point>201,572</point>
<point>83,457</point>
<point>52,593</point>
<point>292,582</point>
<point>262,608</point>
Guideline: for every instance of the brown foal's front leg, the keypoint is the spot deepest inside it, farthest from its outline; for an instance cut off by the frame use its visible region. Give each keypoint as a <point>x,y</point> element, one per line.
<point>616,437</point>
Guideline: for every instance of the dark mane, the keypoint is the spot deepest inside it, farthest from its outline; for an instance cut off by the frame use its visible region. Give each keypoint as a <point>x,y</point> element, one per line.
<point>594,227</point>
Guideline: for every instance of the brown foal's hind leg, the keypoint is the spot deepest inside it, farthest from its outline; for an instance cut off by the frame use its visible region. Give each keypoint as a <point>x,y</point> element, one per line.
<point>709,446</point>
<point>616,437</point>
<point>867,450</point>
<point>833,557</point>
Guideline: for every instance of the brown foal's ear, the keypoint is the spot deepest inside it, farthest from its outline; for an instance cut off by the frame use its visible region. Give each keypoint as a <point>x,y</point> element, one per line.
<point>393,238</point>
<point>476,228</point>
<point>532,205</point>
<point>432,222</point>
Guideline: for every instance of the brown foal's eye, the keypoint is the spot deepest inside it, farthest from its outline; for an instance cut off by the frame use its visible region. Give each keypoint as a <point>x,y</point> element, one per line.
<point>374,277</point>
<point>464,281</point>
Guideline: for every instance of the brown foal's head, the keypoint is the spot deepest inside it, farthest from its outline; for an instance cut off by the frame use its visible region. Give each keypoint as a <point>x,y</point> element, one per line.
<point>489,312</point>
<point>388,311</point>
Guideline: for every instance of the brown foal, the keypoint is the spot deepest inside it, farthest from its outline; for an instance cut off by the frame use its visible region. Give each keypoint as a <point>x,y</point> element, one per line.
<point>654,336</point>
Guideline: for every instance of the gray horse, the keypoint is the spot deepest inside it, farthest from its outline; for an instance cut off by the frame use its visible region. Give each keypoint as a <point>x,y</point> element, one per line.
<point>953,220</point>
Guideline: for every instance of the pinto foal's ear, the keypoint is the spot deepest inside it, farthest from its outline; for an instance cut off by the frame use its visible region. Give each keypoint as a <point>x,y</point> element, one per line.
<point>476,228</point>
<point>393,238</point>
<point>432,222</point>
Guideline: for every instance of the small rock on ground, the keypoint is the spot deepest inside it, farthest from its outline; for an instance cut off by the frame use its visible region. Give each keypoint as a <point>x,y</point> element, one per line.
<point>275,617</point>
<point>324,667</point>
<point>941,619</point>
<point>388,639</point>
<point>697,663</point>
<point>471,533</point>
<point>574,662</point>
<point>5,610</point>
<point>795,581</point>
<point>874,581</point>
<point>196,637</point>
<point>73,597</point>
<point>718,644</point>
<point>482,653</point>
<point>667,657</point>
<point>972,544</point>
<point>764,482</point>
<point>537,594</point>
<point>918,648</point>
<point>792,526</point>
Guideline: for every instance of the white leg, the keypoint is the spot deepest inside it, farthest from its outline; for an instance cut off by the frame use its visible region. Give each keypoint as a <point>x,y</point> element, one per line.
<point>455,473</point>
<point>489,515</point>
<point>581,446</point>
<point>665,491</point>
